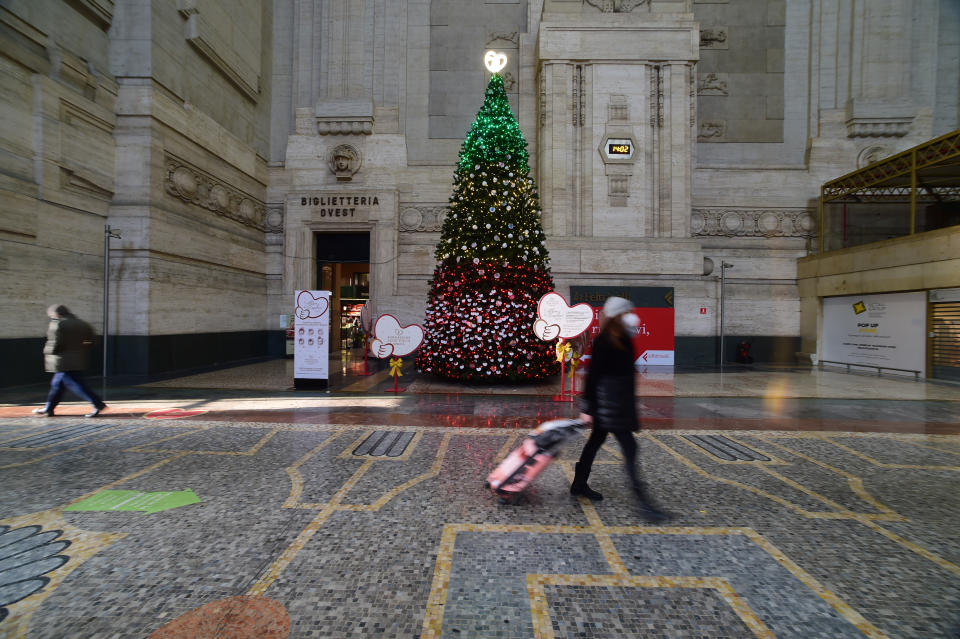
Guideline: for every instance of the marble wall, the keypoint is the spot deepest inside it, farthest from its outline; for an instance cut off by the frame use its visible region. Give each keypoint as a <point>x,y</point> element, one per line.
<point>152,117</point>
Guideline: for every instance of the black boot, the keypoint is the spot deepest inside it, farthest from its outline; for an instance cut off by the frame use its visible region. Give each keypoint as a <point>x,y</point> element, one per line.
<point>579,485</point>
<point>649,511</point>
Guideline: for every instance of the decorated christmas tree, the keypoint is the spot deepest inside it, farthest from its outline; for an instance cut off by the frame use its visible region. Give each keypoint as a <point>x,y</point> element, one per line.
<point>492,265</point>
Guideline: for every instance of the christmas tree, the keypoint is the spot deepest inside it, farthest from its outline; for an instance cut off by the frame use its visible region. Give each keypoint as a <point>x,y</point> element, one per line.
<point>492,265</point>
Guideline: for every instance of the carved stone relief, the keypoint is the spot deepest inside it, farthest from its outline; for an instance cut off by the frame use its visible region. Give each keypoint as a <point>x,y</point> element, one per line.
<point>543,98</point>
<point>273,223</point>
<point>656,95</point>
<point>712,84</point>
<point>871,154</point>
<point>712,131</point>
<point>501,38</point>
<point>727,222</point>
<point>618,189</point>
<point>509,82</point>
<point>713,38</point>
<point>877,127</point>
<point>617,110</point>
<point>344,161</point>
<point>616,6</point>
<point>422,218</point>
<point>194,186</point>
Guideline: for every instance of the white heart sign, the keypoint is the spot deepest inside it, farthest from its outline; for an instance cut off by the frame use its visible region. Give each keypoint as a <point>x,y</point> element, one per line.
<point>310,307</point>
<point>494,61</point>
<point>571,320</point>
<point>402,339</point>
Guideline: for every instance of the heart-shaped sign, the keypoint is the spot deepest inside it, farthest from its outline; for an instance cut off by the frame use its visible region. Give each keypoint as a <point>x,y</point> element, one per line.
<point>545,331</point>
<point>310,307</point>
<point>173,413</point>
<point>494,61</point>
<point>381,350</point>
<point>571,320</point>
<point>404,339</point>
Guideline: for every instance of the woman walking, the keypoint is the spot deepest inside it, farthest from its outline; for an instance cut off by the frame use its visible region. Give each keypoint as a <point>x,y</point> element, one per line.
<point>608,403</point>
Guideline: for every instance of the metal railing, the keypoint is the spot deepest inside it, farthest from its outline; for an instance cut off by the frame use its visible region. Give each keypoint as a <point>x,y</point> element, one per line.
<point>880,369</point>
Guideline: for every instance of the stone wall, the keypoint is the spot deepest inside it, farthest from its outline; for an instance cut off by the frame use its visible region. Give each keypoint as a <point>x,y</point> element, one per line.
<point>152,117</point>
<point>56,171</point>
<point>192,133</point>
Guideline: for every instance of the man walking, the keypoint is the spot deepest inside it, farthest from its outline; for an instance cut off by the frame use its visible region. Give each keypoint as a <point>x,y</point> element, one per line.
<point>65,355</point>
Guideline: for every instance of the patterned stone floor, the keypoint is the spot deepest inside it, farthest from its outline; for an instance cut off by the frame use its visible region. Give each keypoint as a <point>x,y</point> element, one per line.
<point>352,515</point>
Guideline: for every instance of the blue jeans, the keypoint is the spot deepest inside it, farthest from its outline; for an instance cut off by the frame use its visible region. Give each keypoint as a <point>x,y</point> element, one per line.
<point>73,381</point>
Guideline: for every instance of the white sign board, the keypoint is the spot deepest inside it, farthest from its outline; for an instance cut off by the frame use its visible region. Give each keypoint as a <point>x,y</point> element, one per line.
<point>311,335</point>
<point>556,318</point>
<point>887,330</point>
<point>392,340</point>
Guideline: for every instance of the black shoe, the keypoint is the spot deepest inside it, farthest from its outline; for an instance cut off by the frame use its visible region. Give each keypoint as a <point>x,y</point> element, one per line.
<point>583,490</point>
<point>43,412</point>
<point>95,412</point>
<point>579,485</point>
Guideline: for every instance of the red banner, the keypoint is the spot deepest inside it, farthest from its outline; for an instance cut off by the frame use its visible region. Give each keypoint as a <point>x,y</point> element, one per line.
<point>653,342</point>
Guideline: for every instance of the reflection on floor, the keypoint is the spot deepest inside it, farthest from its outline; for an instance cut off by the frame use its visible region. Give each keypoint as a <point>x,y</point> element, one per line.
<point>809,512</point>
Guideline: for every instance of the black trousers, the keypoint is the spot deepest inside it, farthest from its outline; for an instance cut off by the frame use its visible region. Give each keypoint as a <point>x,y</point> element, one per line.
<point>627,444</point>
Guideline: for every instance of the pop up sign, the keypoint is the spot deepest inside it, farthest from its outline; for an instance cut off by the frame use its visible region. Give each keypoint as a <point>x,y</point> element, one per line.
<point>653,343</point>
<point>311,339</point>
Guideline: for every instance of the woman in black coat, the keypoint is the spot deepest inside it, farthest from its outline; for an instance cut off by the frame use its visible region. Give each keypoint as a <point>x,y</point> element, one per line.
<point>608,403</point>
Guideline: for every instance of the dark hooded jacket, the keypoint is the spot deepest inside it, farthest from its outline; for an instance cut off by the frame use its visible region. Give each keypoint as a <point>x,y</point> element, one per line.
<point>68,340</point>
<point>609,393</point>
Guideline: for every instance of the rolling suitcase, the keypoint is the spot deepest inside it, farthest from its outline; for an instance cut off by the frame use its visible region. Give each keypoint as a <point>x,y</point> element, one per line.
<point>538,449</point>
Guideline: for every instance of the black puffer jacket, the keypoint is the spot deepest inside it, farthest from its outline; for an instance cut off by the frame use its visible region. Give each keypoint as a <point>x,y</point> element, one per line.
<point>609,393</point>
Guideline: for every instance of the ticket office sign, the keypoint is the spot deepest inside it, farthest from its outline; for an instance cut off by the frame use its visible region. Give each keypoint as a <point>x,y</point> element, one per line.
<point>311,336</point>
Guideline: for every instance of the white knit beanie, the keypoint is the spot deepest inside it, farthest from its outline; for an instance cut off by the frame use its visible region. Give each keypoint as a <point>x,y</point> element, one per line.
<point>615,306</point>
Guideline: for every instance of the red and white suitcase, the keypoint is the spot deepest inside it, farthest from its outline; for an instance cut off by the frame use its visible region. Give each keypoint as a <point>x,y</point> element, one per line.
<point>538,449</point>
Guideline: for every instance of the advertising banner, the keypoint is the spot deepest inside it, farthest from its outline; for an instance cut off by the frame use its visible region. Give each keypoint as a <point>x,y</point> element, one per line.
<point>311,337</point>
<point>653,343</point>
<point>887,330</point>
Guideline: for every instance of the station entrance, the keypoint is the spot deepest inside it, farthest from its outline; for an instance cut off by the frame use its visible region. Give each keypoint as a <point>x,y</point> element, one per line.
<point>343,268</point>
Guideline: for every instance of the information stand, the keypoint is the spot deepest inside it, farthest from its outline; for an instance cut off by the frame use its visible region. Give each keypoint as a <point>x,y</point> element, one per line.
<point>311,340</point>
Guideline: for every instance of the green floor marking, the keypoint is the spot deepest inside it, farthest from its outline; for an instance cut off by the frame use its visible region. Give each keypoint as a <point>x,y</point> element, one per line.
<point>132,500</point>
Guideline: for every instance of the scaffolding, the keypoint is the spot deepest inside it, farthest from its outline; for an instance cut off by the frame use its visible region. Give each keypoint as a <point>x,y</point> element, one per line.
<point>913,191</point>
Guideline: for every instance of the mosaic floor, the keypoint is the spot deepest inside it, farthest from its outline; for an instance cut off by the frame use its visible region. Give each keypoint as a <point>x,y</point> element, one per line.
<point>344,515</point>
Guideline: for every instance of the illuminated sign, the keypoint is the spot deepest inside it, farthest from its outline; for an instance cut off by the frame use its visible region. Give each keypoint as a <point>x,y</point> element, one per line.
<point>618,149</point>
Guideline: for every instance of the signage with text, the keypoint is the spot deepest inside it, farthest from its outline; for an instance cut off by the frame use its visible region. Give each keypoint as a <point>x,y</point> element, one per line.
<point>653,343</point>
<point>390,339</point>
<point>339,207</point>
<point>311,335</point>
<point>556,318</point>
<point>887,330</point>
